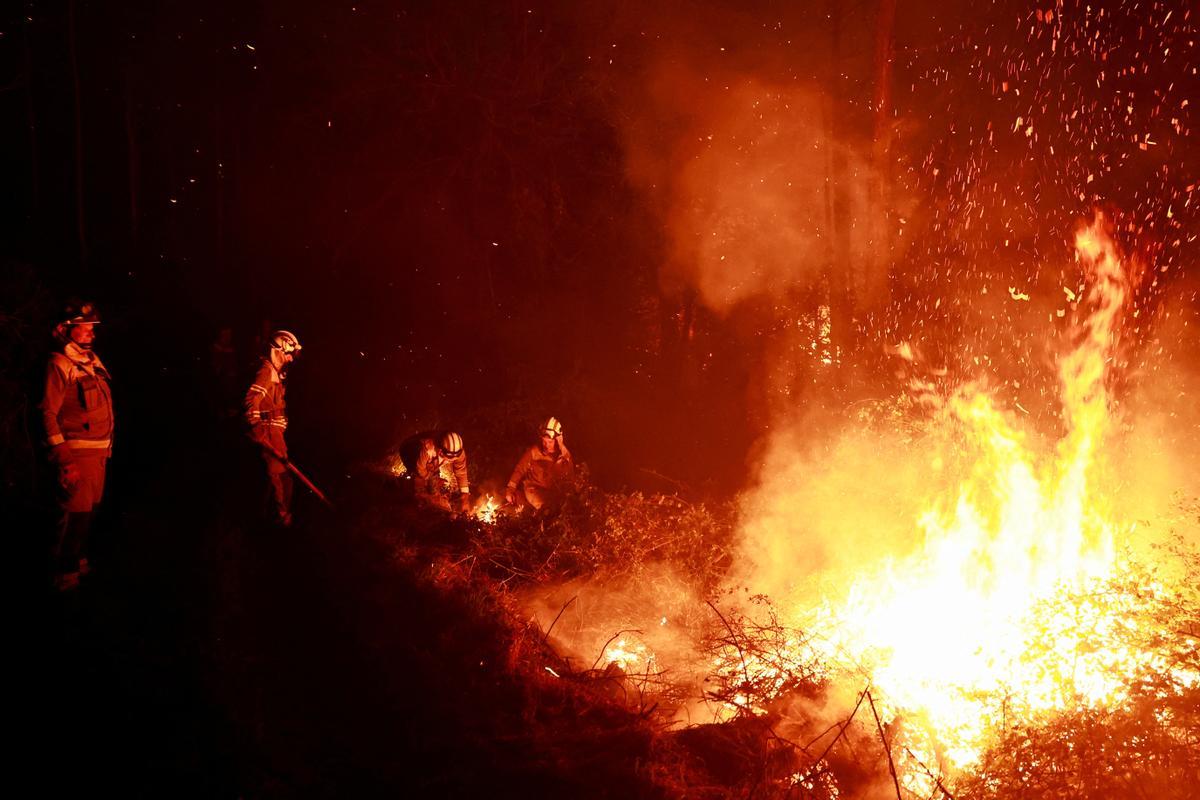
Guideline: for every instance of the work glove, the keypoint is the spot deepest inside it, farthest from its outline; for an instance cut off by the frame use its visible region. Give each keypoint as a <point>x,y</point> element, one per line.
<point>68,471</point>
<point>61,454</point>
<point>464,503</point>
<point>68,475</point>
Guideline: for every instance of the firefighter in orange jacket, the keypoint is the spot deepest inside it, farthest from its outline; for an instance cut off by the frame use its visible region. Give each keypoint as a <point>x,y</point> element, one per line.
<point>544,470</point>
<point>266,414</point>
<point>77,416</point>
<point>450,491</point>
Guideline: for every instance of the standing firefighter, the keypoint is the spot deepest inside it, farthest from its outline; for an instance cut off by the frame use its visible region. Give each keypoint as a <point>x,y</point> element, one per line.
<point>544,471</point>
<point>77,414</point>
<point>266,414</point>
<point>441,479</point>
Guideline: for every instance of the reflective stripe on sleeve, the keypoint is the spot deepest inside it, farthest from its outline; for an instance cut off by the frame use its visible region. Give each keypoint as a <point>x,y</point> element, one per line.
<point>89,444</point>
<point>56,439</point>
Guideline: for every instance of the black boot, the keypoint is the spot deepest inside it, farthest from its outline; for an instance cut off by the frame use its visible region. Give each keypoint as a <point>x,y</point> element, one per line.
<point>71,544</point>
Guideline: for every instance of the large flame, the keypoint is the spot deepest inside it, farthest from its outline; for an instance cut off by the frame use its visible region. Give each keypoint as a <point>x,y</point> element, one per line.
<point>969,628</point>
<point>942,629</point>
<point>1001,612</point>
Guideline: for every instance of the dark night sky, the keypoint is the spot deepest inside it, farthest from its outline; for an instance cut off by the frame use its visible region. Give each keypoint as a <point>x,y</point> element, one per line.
<point>429,195</point>
<point>444,200</point>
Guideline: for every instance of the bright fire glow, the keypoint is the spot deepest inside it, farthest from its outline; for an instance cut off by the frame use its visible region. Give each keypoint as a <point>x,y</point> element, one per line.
<point>944,632</point>
<point>629,655</point>
<point>485,512</point>
<point>952,622</point>
<point>396,466</point>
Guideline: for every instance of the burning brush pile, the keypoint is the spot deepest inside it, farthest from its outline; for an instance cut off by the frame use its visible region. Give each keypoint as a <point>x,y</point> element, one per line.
<point>1023,641</point>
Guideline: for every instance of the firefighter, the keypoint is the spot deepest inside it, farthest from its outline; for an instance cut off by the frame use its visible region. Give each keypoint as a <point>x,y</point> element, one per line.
<point>441,474</point>
<point>544,471</point>
<point>77,417</point>
<point>223,373</point>
<point>266,415</point>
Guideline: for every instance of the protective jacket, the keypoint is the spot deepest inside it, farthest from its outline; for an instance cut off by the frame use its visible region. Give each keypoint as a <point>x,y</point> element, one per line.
<point>429,466</point>
<point>541,470</point>
<point>266,408</point>
<point>77,407</point>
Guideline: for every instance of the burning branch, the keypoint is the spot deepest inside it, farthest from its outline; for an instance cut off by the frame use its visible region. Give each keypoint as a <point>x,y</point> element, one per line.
<point>842,727</point>
<point>557,617</point>
<point>886,747</point>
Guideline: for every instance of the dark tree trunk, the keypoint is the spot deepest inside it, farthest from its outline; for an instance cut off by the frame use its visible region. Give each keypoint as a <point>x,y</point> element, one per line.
<point>881,184</point>
<point>133,161</point>
<point>219,222</point>
<point>222,32</point>
<point>35,188</point>
<point>839,277</point>
<point>80,219</point>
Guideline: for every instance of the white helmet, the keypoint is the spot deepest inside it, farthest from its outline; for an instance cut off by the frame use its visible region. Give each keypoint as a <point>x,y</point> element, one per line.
<point>553,428</point>
<point>76,312</point>
<point>285,341</point>
<point>451,445</point>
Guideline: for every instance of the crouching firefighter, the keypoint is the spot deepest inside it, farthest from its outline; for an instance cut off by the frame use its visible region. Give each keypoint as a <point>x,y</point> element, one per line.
<point>77,416</point>
<point>545,470</point>
<point>266,415</point>
<point>441,479</point>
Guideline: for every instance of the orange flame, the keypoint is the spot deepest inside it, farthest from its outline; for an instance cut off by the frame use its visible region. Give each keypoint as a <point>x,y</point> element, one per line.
<point>946,630</point>
<point>625,654</point>
<point>486,512</point>
<point>952,622</point>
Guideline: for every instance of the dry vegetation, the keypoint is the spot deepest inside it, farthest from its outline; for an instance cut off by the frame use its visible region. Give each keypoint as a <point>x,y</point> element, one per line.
<point>770,740</point>
<point>1149,746</point>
